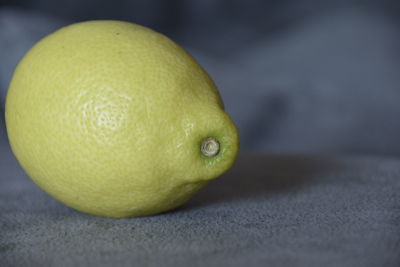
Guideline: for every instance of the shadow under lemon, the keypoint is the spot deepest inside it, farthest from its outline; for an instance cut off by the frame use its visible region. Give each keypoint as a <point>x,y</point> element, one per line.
<point>256,176</point>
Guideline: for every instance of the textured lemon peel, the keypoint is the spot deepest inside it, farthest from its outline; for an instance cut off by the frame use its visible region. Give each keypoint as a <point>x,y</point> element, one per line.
<point>113,135</point>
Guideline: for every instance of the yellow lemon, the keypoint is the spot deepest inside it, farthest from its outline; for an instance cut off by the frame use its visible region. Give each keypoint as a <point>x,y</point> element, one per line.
<point>116,120</point>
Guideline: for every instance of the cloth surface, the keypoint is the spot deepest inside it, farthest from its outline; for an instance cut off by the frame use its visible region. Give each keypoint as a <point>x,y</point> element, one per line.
<point>267,211</point>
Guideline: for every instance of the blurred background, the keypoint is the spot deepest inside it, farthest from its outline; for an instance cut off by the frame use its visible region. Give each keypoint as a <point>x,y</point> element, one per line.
<point>297,76</point>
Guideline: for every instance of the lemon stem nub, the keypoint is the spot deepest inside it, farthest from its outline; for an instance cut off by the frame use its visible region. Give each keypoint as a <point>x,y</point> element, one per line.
<point>210,147</point>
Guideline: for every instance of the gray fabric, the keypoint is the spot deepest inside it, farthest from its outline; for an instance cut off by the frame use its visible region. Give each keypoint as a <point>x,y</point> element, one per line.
<point>329,85</point>
<point>267,211</point>
<point>3,138</point>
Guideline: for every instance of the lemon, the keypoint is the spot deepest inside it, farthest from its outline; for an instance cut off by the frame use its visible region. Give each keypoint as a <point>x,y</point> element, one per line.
<point>116,120</point>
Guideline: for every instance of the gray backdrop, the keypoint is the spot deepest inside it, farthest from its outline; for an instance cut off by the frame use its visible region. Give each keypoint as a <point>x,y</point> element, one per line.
<point>297,76</point>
